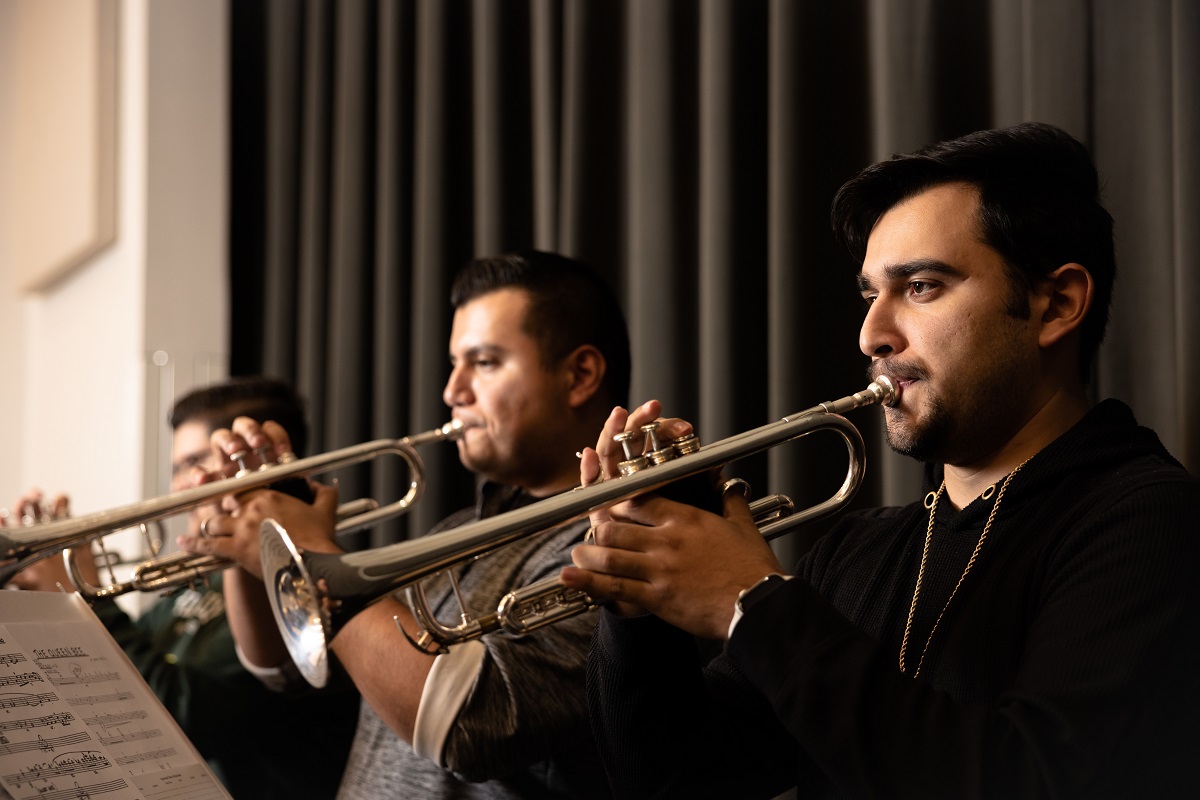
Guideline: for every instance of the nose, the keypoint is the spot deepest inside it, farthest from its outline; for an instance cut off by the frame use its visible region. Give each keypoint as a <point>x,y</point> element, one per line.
<point>458,388</point>
<point>880,336</point>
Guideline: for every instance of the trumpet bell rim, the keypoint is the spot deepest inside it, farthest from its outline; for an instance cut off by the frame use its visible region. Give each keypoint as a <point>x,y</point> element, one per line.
<point>302,622</point>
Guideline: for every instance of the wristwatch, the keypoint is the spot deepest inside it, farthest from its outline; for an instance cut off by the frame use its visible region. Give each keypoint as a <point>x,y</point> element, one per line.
<point>747,597</point>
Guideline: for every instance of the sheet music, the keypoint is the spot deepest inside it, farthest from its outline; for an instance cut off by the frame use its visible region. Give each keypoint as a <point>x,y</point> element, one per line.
<point>77,721</point>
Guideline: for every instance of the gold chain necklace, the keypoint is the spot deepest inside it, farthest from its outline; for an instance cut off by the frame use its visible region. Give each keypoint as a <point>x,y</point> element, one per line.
<point>931,502</point>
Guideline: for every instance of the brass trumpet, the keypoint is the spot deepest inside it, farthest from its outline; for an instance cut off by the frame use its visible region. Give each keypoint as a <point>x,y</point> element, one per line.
<point>312,595</point>
<point>20,547</point>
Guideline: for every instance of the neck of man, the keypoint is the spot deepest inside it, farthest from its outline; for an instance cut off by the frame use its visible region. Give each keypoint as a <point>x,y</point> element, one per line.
<point>552,487</point>
<point>1050,420</point>
<point>566,476</point>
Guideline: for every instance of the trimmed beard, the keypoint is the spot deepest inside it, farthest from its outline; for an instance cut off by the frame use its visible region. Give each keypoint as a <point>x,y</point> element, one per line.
<point>926,441</point>
<point>975,421</point>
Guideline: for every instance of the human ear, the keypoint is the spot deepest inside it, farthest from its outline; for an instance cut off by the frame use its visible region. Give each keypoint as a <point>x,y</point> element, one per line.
<point>1067,296</point>
<point>584,368</point>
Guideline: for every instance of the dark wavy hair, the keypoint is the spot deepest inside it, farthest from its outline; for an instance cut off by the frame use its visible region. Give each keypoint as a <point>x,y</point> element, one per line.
<point>1039,209</point>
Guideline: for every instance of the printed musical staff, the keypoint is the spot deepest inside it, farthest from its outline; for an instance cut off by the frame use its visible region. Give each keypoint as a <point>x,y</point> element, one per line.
<point>65,765</point>
<point>97,699</point>
<point>43,744</point>
<point>87,792</point>
<point>9,700</point>
<point>149,755</point>
<point>47,721</point>
<point>112,720</point>
<point>21,679</point>
<point>78,675</point>
<point>140,735</point>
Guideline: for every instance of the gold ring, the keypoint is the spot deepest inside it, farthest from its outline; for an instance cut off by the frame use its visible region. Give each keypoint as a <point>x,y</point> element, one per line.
<point>204,527</point>
<point>590,536</point>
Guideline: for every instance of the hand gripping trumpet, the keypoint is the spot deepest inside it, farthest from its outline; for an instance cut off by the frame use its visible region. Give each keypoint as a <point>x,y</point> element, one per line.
<point>313,594</point>
<point>22,546</point>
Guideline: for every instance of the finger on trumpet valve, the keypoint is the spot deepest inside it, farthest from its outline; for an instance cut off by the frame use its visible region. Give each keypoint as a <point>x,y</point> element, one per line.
<point>656,452</point>
<point>652,451</point>
<point>243,456</point>
<point>634,459</point>
<point>240,457</point>
<point>264,455</point>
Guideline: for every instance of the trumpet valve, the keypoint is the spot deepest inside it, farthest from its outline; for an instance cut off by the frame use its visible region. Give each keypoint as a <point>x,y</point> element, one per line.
<point>263,454</point>
<point>634,460</point>
<point>657,452</point>
<point>241,457</point>
<point>651,451</point>
<point>686,445</point>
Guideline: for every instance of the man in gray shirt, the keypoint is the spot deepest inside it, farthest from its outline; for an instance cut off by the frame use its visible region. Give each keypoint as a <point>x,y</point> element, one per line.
<point>539,354</point>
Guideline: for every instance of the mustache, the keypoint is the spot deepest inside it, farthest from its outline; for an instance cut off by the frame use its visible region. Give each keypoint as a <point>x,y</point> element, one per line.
<point>896,369</point>
<point>468,421</point>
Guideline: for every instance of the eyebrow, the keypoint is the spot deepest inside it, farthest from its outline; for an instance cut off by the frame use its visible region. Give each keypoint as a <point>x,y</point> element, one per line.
<point>896,272</point>
<point>478,350</point>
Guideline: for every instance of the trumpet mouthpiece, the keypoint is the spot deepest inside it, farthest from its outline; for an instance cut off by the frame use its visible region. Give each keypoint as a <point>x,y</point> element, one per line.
<point>889,391</point>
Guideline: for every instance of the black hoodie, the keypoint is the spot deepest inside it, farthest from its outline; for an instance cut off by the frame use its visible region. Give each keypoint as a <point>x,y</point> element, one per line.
<point>1066,665</point>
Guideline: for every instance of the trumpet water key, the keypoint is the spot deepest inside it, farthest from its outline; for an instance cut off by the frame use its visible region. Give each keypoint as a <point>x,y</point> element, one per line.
<point>313,594</point>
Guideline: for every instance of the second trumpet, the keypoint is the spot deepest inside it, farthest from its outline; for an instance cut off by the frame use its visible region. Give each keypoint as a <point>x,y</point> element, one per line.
<point>312,595</point>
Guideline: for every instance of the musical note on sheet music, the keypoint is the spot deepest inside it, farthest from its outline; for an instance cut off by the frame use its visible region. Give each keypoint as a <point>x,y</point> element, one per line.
<point>77,720</point>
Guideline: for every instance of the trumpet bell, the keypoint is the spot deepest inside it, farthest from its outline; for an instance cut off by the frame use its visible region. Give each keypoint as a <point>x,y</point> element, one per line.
<point>302,618</point>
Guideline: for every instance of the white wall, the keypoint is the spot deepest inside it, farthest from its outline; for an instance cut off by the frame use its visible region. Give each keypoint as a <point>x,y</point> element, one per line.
<point>12,353</point>
<point>91,363</point>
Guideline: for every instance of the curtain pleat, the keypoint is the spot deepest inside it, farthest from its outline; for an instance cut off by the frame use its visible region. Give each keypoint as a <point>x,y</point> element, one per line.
<point>547,128</point>
<point>350,283</point>
<point>1185,202</point>
<point>314,230</point>
<point>281,157</point>
<point>392,336</point>
<point>689,151</point>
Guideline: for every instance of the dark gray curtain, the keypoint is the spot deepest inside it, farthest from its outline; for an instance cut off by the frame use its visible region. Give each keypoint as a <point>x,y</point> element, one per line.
<point>688,150</point>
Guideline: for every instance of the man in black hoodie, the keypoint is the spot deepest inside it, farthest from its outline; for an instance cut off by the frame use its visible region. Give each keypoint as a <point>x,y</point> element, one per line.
<point>1026,630</point>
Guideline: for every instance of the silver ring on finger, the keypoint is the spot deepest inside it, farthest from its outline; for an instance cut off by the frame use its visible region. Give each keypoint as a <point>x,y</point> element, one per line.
<point>738,485</point>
